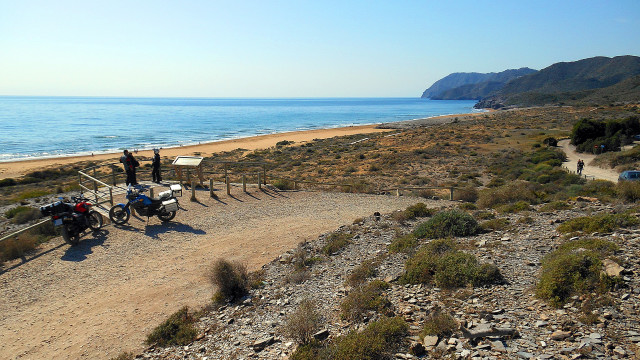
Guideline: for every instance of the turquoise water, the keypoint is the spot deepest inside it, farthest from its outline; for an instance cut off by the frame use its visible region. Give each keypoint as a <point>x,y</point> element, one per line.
<point>36,127</point>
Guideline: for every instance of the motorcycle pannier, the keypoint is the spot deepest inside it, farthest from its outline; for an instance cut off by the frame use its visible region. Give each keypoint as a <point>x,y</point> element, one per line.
<point>170,205</point>
<point>53,209</point>
<point>176,189</point>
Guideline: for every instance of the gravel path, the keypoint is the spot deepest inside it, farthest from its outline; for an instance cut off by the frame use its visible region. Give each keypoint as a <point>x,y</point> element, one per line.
<point>103,296</point>
<point>589,170</point>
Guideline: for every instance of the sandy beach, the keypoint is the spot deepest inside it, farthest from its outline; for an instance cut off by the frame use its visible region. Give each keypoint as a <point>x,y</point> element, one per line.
<point>19,168</point>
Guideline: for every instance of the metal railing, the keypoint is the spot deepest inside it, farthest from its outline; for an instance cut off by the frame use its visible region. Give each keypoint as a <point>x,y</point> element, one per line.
<point>16,233</point>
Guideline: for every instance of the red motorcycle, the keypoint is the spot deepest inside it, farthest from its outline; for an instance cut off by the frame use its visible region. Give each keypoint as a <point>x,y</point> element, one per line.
<point>74,218</point>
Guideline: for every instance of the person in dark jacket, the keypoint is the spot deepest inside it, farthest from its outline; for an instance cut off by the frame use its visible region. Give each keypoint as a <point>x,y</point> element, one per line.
<point>130,165</point>
<point>155,167</point>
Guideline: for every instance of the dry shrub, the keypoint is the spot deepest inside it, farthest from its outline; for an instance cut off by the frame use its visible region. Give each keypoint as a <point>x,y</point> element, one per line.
<point>507,194</point>
<point>467,194</point>
<point>335,242</point>
<point>16,248</point>
<point>439,324</point>
<point>628,191</point>
<point>363,299</point>
<point>304,322</point>
<point>361,273</point>
<point>230,278</point>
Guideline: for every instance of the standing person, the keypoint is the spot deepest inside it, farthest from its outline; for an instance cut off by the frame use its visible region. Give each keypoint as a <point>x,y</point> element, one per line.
<point>155,167</point>
<point>130,165</point>
<point>123,160</point>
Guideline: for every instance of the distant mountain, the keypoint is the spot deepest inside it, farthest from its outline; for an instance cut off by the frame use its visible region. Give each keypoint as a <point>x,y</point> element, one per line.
<point>598,78</point>
<point>471,86</point>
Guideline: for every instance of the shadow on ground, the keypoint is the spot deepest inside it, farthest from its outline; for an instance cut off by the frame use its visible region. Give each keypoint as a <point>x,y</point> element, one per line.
<point>154,230</point>
<point>84,248</point>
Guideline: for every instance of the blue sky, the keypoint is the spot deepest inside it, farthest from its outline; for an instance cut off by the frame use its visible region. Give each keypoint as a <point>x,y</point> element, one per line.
<point>292,48</point>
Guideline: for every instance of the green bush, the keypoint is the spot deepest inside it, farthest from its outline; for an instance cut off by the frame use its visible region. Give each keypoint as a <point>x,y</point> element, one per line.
<point>378,341</point>
<point>231,280</point>
<point>447,223</point>
<point>441,263</point>
<point>283,184</point>
<point>363,299</point>
<point>404,244</point>
<point>11,213</point>
<point>178,329</point>
<point>439,324</point>
<point>336,242</point>
<point>8,182</point>
<point>598,223</point>
<point>574,268</point>
<point>556,205</point>
<point>304,322</point>
<point>515,208</point>
<point>418,210</point>
<point>25,216</point>
<point>468,206</point>
<point>455,269</point>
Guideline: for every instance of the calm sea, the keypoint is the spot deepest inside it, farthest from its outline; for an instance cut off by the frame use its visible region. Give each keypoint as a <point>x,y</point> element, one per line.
<point>36,127</point>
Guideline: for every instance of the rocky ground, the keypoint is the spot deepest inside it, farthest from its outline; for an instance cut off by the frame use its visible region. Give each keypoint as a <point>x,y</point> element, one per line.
<point>252,329</point>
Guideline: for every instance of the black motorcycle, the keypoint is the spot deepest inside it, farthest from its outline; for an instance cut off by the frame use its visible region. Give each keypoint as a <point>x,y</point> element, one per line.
<point>165,206</point>
<point>74,218</point>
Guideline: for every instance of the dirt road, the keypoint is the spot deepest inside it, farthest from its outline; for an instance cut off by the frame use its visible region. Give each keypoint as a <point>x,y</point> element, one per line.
<point>102,297</point>
<point>589,171</point>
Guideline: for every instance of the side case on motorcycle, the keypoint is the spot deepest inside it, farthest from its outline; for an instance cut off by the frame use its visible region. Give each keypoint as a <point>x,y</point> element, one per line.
<point>170,205</point>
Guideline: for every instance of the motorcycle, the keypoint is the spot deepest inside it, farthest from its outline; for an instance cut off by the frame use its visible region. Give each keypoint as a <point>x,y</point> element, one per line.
<point>165,206</point>
<point>74,218</point>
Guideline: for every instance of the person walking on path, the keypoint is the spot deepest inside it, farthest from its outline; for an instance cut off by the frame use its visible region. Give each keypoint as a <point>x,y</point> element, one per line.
<point>155,167</point>
<point>580,166</point>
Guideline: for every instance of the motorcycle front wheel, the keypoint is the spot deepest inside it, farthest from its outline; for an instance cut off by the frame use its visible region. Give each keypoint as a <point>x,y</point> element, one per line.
<point>118,215</point>
<point>95,220</point>
<point>165,216</point>
<point>70,237</point>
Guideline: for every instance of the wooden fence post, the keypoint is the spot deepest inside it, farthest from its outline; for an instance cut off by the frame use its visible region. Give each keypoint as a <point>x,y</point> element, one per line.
<point>193,191</point>
<point>259,182</point>
<point>451,193</point>
<point>228,185</point>
<point>151,192</point>
<point>113,175</point>
<point>211,193</point>
<point>264,178</point>
<point>244,183</point>
<point>398,192</point>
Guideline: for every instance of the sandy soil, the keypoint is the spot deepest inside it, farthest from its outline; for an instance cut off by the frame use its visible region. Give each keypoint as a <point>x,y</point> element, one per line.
<point>19,168</point>
<point>589,171</point>
<point>102,297</point>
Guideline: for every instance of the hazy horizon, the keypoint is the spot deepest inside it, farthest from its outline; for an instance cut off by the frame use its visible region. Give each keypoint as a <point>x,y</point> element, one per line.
<point>287,49</point>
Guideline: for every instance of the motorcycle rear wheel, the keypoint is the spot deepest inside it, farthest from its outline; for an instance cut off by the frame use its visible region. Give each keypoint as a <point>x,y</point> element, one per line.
<point>95,220</point>
<point>118,215</point>
<point>70,237</point>
<point>165,216</point>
